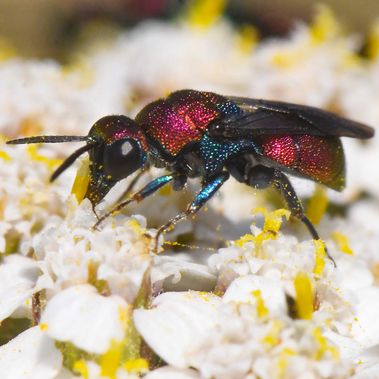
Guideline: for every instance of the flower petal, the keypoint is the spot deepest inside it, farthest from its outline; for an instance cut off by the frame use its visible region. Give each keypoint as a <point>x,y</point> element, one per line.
<point>242,290</point>
<point>81,316</point>
<point>18,278</point>
<point>366,328</point>
<point>175,273</point>
<point>31,355</point>
<point>176,323</point>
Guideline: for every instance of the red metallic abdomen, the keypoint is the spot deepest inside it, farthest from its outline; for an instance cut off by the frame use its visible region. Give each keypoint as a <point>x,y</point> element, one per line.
<point>318,158</point>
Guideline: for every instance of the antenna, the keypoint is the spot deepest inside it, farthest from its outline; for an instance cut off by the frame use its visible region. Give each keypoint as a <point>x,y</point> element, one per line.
<point>71,159</point>
<point>58,139</point>
<point>47,139</point>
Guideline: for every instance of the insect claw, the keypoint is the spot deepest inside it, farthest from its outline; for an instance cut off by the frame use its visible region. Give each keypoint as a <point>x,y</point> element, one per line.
<point>156,240</point>
<point>96,214</point>
<point>330,257</point>
<point>94,227</point>
<point>99,221</point>
<point>156,246</point>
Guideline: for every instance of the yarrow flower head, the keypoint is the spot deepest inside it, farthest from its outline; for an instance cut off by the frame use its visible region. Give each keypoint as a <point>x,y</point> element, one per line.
<point>79,301</point>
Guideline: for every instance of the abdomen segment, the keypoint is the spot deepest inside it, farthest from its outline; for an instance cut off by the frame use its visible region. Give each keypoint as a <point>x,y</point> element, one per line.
<point>318,158</point>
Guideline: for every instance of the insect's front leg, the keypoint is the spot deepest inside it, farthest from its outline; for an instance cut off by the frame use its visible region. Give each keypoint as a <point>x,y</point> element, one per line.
<point>132,184</point>
<point>261,176</point>
<point>207,191</point>
<point>146,191</point>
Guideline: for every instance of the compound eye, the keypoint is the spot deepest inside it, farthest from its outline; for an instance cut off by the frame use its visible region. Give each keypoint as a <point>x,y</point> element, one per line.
<point>122,158</point>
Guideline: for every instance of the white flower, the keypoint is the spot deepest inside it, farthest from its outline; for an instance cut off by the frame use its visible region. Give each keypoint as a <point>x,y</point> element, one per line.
<point>81,316</point>
<point>160,325</point>
<point>18,281</point>
<point>90,280</point>
<point>31,355</point>
<point>51,99</point>
<point>227,340</point>
<point>72,253</point>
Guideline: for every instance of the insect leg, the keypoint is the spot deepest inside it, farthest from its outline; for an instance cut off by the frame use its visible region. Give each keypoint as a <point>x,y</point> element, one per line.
<point>208,190</point>
<point>282,183</point>
<point>146,191</point>
<point>131,185</point>
<point>261,176</point>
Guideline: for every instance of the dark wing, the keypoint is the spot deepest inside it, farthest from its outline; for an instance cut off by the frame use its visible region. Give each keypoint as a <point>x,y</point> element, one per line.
<point>263,117</point>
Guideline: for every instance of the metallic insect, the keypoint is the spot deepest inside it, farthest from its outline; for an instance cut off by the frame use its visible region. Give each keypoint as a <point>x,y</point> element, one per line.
<point>206,135</point>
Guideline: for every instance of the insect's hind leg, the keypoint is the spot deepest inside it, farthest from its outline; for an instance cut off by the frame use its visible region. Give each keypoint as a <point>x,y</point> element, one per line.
<point>261,177</point>
<point>207,191</point>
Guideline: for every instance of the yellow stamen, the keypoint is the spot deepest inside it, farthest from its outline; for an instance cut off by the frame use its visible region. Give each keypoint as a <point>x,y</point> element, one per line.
<point>81,368</point>
<point>342,242</point>
<point>136,366</point>
<point>247,38</point>
<point>49,162</point>
<point>5,156</point>
<point>324,346</point>
<point>124,353</point>
<point>320,254</point>
<point>7,51</point>
<point>286,59</point>
<point>304,296</point>
<point>262,310</point>
<point>79,188</point>
<point>136,226</point>
<point>206,296</point>
<point>273,220</point>
<point>204,13</point>
<point>317,204</point>
<point>324,26</point>
<point>244,239</point>
<point>284,355</point>
<point>110,361</point>
<point>373,42</point>
<point>272,224</point>
<point>273,337</point>
<point>43,326</point>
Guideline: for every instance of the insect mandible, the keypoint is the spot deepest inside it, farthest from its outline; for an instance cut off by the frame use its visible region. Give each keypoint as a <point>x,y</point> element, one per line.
<point>202,134</point>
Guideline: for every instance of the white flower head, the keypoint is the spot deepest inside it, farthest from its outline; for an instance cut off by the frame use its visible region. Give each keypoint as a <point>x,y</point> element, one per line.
<point>269,305</point>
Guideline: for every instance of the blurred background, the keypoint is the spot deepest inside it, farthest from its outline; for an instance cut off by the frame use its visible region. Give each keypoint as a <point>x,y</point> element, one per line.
<point>50,28</point>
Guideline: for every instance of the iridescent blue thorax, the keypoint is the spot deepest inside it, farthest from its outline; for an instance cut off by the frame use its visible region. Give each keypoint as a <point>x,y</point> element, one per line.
<point>214,154</point>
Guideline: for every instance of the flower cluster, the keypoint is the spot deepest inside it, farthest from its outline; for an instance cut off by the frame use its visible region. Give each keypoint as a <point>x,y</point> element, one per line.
<point>98,303</point>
